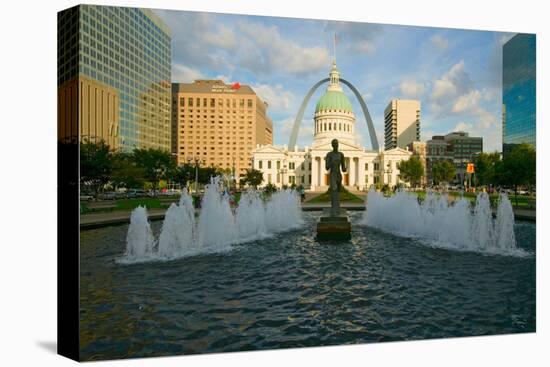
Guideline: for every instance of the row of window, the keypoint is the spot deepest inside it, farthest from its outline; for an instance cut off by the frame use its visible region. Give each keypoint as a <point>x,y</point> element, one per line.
<point>324,126</point>
<point>191,102</point>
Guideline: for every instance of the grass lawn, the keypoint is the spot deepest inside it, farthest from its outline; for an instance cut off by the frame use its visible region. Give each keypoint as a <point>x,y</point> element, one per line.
<point>129,204</point>
<point>345,197</point>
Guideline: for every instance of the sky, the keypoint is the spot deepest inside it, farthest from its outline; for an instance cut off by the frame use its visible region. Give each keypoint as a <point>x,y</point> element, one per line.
<point>456,74</point>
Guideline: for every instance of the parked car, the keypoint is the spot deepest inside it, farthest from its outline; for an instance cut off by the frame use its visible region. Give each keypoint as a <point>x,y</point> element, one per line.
<point>120,195</point>
<point>136,193</point>
<point>108,195</point>
<point>86,197</point>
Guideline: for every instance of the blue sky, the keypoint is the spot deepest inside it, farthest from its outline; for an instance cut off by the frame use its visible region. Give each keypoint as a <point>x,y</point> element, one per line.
<point>456,74</point>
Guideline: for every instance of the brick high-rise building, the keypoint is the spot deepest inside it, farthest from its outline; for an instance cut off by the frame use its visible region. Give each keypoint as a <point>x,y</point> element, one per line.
<point>219,124</point>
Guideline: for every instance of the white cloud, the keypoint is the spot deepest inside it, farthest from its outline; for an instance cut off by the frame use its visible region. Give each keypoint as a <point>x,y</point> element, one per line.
<point>467,102</point>
<point>454,94</point>
<point>263,49</point>
<point>354,37</point>
<point>278,99</point>
<point>411,88</point>
<point>283,128</point>
<point>439,41</point>
<point>451,84</point>
<point>364,46</point>
<point>223,37</point>
<point>185,74</point>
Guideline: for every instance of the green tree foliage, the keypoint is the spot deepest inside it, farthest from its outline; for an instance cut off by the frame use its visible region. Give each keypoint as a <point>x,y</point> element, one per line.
<point>443,172</point>
<point>411,170</point>
<point>126,173</point>
<point>155,163</point>
<point>206,173</point>
<point>252,177</point>
<point>270,188</point>
<point>95,165</point>
<point>485,165</point>
<point>518,168</point>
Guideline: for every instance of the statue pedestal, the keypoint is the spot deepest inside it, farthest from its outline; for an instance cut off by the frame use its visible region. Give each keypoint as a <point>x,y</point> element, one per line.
<point>334,226</point>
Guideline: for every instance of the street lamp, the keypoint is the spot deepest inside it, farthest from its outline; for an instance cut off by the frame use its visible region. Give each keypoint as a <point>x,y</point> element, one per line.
<point>281,172</point>
<point>233,172</point>
<point>197,162</point>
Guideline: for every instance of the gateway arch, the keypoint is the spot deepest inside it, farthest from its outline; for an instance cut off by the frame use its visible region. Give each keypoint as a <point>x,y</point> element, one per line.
<point>300,115</point>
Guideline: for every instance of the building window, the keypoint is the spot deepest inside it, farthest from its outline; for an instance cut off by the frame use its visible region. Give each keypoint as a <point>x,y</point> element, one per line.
<point>250,103</point>
<point>278,178</point>
<point>260,164</point>
<point>366,166</point>
<point>292,179</point>
<point>190,102</point>
<point>182,102</point>
<point>268,164</point>
<point>376,179</point>
<point>366,179</point>
<point>278,164</point>
<point>269,177</point>
<point>377,166</point>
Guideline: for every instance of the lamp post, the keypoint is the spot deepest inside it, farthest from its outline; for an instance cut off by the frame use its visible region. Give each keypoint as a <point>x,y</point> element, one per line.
<point>282,172</point>
<point>197,162</point>
<point>233,181</point>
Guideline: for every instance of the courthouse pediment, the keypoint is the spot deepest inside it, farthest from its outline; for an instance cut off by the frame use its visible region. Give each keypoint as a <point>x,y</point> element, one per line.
<point>342,146</point>
<point>268,149</point>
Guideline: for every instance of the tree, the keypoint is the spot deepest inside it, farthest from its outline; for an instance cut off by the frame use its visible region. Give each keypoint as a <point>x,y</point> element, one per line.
<point>126,172</point>
<point>443,172</point>
<point>95,164</point>
<point>155,163</point>
<point>411,170</point>
<point>270,189</point>
<point>252,177</point>
<point>183,174</point>
<point>206,173</point>
<point>518,168</point>
<point>485,168</point>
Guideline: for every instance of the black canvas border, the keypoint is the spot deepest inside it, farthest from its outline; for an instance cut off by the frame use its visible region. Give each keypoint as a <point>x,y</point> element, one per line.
<point>68,242</point>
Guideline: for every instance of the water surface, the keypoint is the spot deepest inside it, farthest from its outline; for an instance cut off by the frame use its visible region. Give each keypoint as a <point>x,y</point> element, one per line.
<point>290,291</point>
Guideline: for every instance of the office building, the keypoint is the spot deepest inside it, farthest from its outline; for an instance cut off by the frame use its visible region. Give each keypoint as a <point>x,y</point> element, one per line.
<point>401,123</point>
<point>418,149</point>
<point>519,91</point>
<point>219,124</point>
<point>457,147</point>
<point>114,77</point>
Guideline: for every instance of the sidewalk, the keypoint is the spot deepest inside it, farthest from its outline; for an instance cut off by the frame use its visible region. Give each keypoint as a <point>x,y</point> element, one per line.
<point>307,207</point>
<point>97,220</point>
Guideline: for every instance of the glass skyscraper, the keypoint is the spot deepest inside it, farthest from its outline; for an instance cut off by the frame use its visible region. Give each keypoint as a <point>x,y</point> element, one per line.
<point>519,91</point>
<point>124,54</point>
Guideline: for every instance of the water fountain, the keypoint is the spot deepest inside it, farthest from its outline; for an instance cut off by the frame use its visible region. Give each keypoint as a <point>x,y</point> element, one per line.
<point>218,226</point>
<point>444,224</point>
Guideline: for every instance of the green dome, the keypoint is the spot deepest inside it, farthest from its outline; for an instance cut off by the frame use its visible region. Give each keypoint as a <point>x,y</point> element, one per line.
<point>334,100</point>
